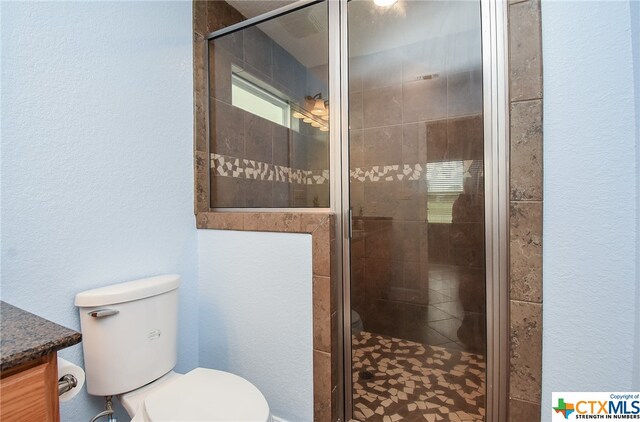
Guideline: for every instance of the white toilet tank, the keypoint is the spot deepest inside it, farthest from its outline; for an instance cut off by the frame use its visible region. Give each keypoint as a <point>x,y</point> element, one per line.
<point>129,333</point>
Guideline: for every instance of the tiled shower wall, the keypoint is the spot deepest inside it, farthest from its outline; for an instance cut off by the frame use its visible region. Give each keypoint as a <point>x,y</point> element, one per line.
<point>408,109</point>
<point>525,59</point>
<point>259,163</point>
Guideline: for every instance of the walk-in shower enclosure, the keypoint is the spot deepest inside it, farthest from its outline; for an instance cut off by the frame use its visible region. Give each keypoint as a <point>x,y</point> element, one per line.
<point>393,116</point>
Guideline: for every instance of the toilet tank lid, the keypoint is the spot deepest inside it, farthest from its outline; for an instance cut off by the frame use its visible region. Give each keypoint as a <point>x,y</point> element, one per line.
<point>128,291</point>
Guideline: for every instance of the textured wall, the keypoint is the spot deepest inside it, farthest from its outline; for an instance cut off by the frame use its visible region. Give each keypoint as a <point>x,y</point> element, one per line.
<point>635,39</point>
<point>590,189</point>
<point>255,314</point>
<point>97,180</point>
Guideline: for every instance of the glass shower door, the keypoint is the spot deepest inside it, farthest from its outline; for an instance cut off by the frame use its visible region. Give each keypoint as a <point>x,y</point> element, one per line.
<point>417,256</point>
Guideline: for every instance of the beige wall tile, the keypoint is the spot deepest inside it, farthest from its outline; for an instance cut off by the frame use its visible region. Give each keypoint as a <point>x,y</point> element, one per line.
<point>382,106</point>
<point>437,141</point>
<point>525,49</point>
<point>321,252</point>
<point>526,151</point>
<point>272,222</point>
<point>526,251</point>
<point>321,386</point>
<point>424,100</point>
<point>414,143</point>
<point>220,15</point>
<point>227,134</point>
<point>200,18</point>
<point>199,97</point>
<point>258,50</point>
<point>282,194</point>
<point>355,110</point>
<point>309,222</point>
<point>227,192</point>
<point>220,62</point>
<point>258,138</point>
<point>523,411</point>
<point>220,221</point>
<point>464,93</point>
<point>382,146</point>
<point>322,313</point>
<point>526,350</point>
<point>382,69</point>
<point>526,217</point>
<point>201,181</point>
<point>465,137</point>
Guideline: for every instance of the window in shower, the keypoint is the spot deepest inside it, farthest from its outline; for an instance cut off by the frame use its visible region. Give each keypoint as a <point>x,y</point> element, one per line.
<point>268,113</point>
<point>259,101</point>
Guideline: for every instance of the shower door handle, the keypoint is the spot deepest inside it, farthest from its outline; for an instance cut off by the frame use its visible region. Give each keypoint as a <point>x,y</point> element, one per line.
<point>350,223</point>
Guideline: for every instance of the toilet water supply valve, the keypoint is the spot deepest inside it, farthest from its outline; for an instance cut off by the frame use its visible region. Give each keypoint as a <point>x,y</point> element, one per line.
<point>108,411</point>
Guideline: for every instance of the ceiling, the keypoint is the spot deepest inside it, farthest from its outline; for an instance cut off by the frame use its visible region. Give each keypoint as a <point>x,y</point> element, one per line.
<point>252,8</point>
<point>371,28</point>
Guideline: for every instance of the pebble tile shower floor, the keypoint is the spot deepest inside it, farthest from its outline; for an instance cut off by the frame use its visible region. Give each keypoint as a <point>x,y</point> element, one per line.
<point>399,380</point>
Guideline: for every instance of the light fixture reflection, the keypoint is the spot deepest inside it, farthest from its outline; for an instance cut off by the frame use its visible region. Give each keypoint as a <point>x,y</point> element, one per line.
<point>319,108</point>
<point>384,3</point>
<point>314,111</point>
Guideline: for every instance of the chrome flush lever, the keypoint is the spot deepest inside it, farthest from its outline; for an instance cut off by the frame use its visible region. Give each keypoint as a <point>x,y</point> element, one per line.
<point>101,313</point>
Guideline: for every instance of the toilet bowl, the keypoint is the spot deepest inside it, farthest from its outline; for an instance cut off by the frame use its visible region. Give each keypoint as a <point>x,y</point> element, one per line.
<point>143,315</point>
<point>199,395</point>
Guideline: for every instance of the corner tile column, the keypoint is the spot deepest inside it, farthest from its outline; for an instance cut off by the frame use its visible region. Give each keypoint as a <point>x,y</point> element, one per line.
<point>525,260</point>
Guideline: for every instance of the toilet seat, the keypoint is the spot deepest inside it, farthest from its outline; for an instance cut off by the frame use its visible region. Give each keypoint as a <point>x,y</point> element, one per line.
<point>206,395</point>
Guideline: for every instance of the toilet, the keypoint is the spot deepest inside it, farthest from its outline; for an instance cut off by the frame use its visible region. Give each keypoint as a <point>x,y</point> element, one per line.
<point>130,345</point>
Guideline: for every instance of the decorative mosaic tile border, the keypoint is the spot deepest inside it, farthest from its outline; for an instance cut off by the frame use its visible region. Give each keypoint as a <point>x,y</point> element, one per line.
<point>389,173</point>
<point>244,168</point>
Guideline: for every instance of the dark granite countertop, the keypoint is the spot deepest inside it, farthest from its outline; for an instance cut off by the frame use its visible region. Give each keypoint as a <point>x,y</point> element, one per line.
<point>25,336</point>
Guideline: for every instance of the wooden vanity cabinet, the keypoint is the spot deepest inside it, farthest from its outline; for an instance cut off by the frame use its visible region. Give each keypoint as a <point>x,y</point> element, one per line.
<point>29,392</point>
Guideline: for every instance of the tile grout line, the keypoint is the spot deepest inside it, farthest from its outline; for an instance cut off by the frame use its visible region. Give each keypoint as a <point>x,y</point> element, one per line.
<point>525,301</point>
<point>523,400</point>
<point>527,100</point>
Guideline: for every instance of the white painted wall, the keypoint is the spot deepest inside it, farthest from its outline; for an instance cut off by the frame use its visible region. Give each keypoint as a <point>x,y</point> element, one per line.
<point>591,250</point>
<point>635,40</point>
<point>97,174</point>
<point>255,314</point>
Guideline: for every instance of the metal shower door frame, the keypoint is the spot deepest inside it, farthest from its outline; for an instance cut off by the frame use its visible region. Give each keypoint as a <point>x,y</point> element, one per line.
<point>495,86</point>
